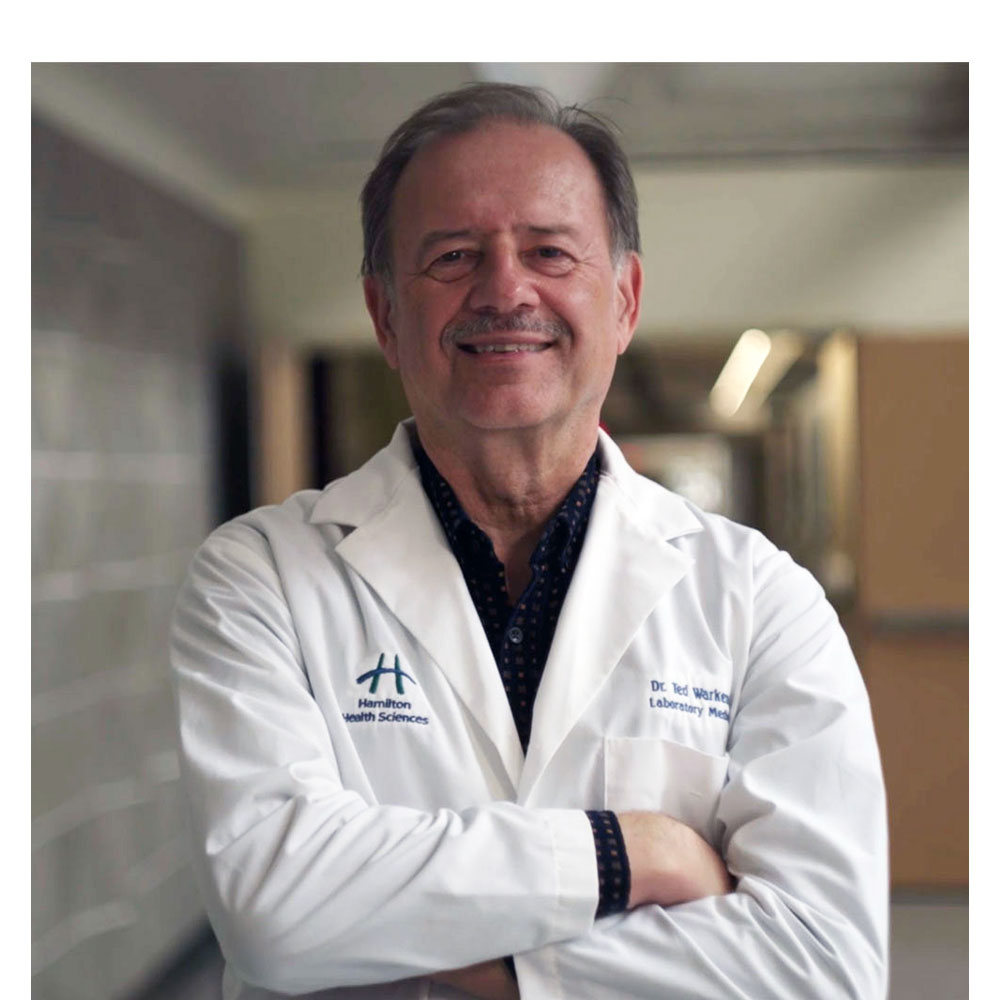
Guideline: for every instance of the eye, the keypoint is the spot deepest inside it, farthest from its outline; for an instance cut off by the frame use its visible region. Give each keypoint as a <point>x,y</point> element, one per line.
<point>452,265</point>
<point>550,260</point>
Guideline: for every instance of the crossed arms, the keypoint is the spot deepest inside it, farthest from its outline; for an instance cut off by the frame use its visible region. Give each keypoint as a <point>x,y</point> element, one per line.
<point>310,886</point>
<point>670,864</point>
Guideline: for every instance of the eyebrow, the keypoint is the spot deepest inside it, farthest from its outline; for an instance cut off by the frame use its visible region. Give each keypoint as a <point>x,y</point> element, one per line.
<point>553,230</point>
<point>442,235</point>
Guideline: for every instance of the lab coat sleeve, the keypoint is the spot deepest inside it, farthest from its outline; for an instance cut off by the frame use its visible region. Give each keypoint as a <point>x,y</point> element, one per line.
<point>802,827</point>
<point>307,885</point>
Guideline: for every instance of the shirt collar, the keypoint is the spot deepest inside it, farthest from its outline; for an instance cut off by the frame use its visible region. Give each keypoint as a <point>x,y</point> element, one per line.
<point>563,532</point>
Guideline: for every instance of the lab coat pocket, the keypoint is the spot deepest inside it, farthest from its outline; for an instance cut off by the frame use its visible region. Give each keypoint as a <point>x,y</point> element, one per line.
<point>663,776</point>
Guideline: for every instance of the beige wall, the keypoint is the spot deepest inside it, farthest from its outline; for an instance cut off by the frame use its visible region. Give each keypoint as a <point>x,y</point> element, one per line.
<point>910,625</point>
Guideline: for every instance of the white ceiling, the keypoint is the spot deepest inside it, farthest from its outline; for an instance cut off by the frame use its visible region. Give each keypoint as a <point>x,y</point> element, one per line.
<point>269,126</point>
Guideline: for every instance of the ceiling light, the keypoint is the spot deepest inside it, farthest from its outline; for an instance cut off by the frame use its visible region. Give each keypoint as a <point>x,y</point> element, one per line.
<point>786,349</point>
<point>739,371</point>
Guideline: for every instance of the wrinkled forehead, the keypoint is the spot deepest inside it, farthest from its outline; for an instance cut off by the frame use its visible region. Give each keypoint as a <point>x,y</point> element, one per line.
<point>496,171</point>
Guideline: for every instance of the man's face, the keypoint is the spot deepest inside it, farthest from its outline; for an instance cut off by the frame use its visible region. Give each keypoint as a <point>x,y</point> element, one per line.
<point>506,311</point>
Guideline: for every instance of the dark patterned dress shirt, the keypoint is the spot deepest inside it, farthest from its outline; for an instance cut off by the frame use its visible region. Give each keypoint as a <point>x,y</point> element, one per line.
<point>520,634</point>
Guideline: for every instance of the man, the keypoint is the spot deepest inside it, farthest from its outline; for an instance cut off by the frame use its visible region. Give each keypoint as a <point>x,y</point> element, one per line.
<point>494,716</point>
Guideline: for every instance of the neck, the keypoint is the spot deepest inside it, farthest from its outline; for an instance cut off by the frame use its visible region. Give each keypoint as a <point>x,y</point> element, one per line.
<point>510,485</point>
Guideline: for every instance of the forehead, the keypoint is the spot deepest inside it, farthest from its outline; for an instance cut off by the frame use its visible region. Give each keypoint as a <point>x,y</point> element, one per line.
<point>500,175</point>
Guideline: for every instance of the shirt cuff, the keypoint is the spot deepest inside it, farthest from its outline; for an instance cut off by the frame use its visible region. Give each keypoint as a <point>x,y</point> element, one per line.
<point>613,873</point>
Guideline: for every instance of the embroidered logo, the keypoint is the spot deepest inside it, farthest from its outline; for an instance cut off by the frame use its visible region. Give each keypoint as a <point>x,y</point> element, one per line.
<point>376,675</point>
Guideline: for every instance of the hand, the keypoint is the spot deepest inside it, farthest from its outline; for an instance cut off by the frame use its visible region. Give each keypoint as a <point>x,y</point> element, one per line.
<point>487,980</point>
<point>669,862</point>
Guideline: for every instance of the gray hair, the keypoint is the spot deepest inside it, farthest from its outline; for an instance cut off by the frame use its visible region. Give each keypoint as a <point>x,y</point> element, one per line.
<point>465,109</point>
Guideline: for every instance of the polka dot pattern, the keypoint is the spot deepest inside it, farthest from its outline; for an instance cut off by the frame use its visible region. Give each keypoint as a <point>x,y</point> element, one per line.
<point>613,872</point>
<point>520,635</point>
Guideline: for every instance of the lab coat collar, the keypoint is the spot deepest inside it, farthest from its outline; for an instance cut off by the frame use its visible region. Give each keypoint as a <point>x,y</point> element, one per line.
<point>358,497</point>
<point>397,546</point>
<point>626,565</point>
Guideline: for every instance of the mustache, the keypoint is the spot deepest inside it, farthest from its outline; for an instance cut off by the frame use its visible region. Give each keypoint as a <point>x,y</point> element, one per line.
<point>480,326</point>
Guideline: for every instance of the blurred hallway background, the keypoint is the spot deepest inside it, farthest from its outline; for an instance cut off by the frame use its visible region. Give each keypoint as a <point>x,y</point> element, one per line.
<point>200,346</point>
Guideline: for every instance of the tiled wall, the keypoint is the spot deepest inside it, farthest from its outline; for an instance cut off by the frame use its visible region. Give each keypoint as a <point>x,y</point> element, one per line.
<point>135,312</point>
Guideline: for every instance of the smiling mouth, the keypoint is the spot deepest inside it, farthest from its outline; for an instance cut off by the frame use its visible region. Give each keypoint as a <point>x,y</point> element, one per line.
<point>503,348</point>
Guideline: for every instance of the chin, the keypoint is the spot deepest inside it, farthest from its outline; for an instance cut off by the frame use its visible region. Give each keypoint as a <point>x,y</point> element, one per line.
<point>506,424</point>
<point>506,411</point>
<point>503,422</point>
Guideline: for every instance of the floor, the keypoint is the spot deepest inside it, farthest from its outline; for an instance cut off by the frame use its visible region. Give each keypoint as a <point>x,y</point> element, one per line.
<point>929,949</point>
<point>929,957</point>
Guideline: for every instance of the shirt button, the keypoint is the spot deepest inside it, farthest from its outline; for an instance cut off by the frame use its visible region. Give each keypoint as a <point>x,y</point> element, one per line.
<point>515,635</point>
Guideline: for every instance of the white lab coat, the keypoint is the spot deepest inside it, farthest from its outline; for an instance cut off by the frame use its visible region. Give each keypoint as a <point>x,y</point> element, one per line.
<point>347,837</point>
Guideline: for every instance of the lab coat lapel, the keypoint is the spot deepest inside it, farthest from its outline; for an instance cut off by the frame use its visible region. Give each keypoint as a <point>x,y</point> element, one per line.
<point>403,555</point>
<point>626,566</point>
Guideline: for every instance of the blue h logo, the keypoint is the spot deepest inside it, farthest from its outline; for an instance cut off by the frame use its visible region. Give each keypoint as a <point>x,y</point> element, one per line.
<point>376,675</point>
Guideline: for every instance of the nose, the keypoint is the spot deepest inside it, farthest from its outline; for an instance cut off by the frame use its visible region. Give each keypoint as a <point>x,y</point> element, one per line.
<point>502,284</point>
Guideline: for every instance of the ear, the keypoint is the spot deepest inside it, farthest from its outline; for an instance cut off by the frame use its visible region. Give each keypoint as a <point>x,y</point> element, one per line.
<point>378,299</point>
<point>628,292</point>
